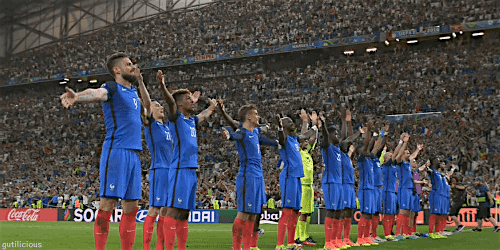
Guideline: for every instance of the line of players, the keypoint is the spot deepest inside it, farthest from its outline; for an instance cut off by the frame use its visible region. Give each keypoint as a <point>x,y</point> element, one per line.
<point>174,153</point>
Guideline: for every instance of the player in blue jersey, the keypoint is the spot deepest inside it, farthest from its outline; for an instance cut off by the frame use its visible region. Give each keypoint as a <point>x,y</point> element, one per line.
<point>290,183</point>
<point>405,189</point>
<point>159,141</point>
<point>417,182</point>
<point>435,200</point>
<point>182,180</point>
<point>444,194</point>
<point>120,167</point>
<point>348,178</point>
<point>332,185</point>
<point>250,187</point>
<point>366,193</point>
<point>378,180</point>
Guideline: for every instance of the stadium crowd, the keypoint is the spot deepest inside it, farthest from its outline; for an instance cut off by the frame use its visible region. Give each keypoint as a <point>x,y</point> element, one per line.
<point>52,154</point>
<point>226,27</point>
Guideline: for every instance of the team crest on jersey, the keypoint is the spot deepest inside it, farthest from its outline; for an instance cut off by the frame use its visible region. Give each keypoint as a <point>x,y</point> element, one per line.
<point>111,187</point>
<point>297,147</point>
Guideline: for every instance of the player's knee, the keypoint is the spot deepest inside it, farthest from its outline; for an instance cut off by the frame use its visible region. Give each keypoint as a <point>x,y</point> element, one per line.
<point>107,204</point>
<point>153,211</point>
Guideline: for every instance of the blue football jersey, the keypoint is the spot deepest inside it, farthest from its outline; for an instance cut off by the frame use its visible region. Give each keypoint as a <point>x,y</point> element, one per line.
<point>160,144</point>
<point>437,183</point>
<point>290,154</point>
<point>122,117</point>
<point>183,132</point>
<point>347,169</point>
<point>445,190</point>
<point>377,171</point>
<point>390,173</point>
<point>365,167</point>
<point>248,146</point>
<point>406,175</point>
<point>333,164</point>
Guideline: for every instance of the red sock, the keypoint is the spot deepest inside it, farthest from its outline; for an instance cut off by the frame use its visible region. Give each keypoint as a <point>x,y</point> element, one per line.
<point>366,232</point>
<point>361,227</point>
<point>255,238</point>
<point>328,229</point>
<point>406,226</point>
<point>386,221</point>
<point>399,225</point>
<point>282,225</point>
<point>182,234</point>
<point>374,226</point>
<point>169,230</point>
<point>147,232</point>
<point>160,243</point>
<point>292,223</point>
<point>432,223</point>
<point>414,229</point>
<point>338,229</point>
<point>347,228</point>
<point>393,221</point>
<point>127,229</point>
<point>238,227</point>
<point>248,227</point>
<point>336,224</point>
<point>442,223</point>
<point>101,229</point>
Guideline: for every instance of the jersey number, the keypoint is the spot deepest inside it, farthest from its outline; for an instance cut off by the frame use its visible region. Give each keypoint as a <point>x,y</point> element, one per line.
<point>167,134</point>
<point>135,103</point>
<point>193,132</point>
<point>338,157</point>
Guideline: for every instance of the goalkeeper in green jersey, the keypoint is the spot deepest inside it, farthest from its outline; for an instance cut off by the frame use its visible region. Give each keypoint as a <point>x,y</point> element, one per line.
<point>307,203</point>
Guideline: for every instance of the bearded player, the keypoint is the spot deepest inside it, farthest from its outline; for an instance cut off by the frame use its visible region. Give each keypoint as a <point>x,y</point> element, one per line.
<point>120,166</point>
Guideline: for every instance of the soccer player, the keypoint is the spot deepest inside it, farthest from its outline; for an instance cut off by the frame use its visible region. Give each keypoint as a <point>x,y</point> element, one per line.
<point>378,181</point>
<point>389,198</point>
<point>332,186</point>
<point>415,206</point>
<point>405,190</point>
<point>348,178</point>
<point>485,200</point>
<point>182,177</point>
<point>365,191</point>
<point>307,201</point>
<point>250,187</point>
<point>120,166</point>
<point>458,198</point>
<point>290,184</point>
<point>445,196</point>
<point>435,200</point>
<point>160,145</point>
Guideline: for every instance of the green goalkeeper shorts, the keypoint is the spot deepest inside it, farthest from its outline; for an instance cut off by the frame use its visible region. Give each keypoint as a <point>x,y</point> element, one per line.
<point>307,203</point>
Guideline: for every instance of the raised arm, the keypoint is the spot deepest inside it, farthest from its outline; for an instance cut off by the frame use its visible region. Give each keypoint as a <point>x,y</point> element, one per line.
<point>398,148</point>
<point>343,131</point>
<point>234,124</point>
<point>406,138</point>
<point>146,100</point>
<point>304,117</point>
<point>348,119</point>
<point>324,131</point>
<point>425,166</point>
<point>414,155</point>
<point>207,112</point>
<point>281,133</point>
<point>89,95</point>
<point>172,106</point>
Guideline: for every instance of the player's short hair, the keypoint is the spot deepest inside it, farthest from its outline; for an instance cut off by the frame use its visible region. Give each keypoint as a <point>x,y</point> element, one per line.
<point>113,60</point>
<point>243,111</point>
<point>180,92</point>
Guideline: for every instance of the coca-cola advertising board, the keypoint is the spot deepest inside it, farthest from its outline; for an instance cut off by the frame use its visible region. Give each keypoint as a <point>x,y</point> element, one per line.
<point>28,214</point>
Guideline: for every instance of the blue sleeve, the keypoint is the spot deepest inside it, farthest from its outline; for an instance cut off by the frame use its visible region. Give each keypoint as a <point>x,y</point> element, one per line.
<point>389,162</point>
<point>111,88</point>
<point>266,141</point>
<point>196,121</point>
<point>236,136</point>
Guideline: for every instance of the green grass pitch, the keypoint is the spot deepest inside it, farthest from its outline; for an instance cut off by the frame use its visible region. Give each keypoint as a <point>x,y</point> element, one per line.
<point>79,236</point>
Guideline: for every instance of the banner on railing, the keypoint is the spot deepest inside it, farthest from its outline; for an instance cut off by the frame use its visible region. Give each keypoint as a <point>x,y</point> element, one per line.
<point>28,214</point>
<point>482,25</point>
<point>412,117</point>
<point>89,215</point>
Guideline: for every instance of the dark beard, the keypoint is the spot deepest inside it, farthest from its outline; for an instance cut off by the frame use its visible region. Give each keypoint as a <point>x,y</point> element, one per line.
<point>130,78</point>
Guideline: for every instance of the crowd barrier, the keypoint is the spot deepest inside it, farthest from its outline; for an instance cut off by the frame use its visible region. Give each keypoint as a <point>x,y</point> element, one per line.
<point>467,216</point>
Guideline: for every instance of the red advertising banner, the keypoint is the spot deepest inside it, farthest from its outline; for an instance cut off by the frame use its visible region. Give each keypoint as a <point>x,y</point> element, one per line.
<point>467,216</point>
<point>28,214</point>
<point>204,58</point>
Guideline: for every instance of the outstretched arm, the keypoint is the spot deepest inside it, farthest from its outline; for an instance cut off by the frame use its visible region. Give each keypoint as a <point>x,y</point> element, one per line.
<point>403,148</point>
<point>304,117</point>
<point>89,95</point>
<point>172,106</point>
<point>343,131</point>
<point>348,119</point>
<point>324,131</point>
<point>207,112</point>
<point>398,148</point>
